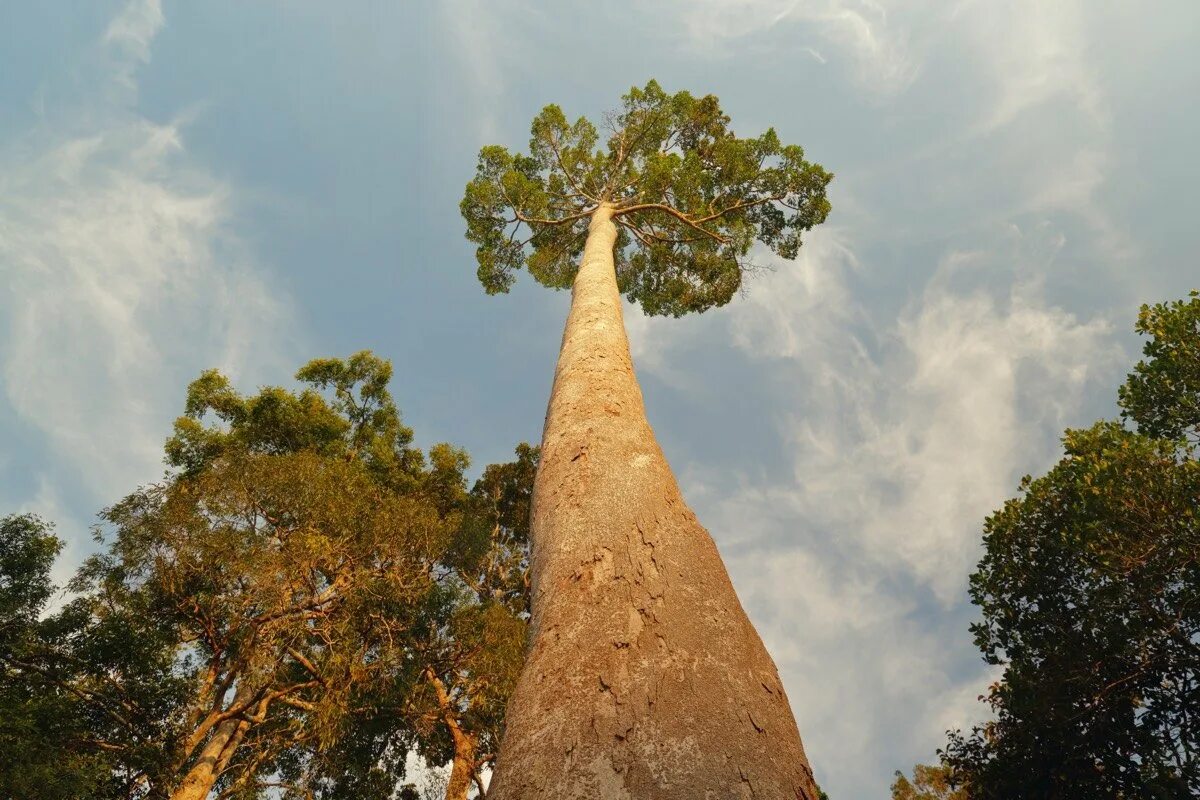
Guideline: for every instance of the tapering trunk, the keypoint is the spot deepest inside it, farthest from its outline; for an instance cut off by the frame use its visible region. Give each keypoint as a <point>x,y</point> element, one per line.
<point>644,679</point>
<point>214,757</point>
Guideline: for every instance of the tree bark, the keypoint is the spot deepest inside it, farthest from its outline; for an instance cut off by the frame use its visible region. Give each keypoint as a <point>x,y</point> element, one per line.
<point>214,757</point>
<point>645,679</point>
<point>462,768</point>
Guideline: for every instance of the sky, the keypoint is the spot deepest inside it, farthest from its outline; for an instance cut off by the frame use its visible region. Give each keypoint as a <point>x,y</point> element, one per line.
<point>250,185</point>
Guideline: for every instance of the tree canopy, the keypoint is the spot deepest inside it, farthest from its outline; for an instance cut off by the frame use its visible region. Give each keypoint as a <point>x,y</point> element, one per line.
<point>304,599</point>
<point>689,196</point>
<point>1089,590</point>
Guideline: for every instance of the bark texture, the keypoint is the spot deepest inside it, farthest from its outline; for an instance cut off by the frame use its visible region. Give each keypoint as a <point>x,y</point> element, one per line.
<point>213,759</point>
<point>645,679</point>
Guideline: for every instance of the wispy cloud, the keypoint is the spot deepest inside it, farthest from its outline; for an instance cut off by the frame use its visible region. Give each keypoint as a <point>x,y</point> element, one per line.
<point>904,434</point>
<point>864,33</point>
<point>123,277</point>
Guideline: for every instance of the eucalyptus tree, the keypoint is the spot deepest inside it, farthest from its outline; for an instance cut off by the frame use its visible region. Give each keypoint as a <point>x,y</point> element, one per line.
<point>302,600</point>
<point>434,645</point>
<point>644,677</point>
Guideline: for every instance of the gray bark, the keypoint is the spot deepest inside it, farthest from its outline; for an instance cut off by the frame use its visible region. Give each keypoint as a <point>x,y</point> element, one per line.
<point>644,679</point>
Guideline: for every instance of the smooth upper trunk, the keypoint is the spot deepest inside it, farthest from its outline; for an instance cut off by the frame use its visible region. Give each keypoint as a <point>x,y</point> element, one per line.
<point>644,679</point>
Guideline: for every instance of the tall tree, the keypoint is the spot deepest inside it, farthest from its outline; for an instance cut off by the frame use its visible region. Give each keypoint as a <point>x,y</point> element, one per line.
<point>644,677</point>
<point>1089,590</point>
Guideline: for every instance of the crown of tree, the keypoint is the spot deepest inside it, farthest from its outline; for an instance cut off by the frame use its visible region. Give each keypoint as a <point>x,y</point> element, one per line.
<point>690,199</point>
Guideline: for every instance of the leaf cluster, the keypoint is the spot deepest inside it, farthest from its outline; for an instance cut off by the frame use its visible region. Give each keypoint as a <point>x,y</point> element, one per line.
<point>690,198</point>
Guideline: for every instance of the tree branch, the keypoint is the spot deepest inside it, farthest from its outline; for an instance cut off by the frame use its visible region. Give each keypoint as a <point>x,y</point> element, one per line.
<point>679,215</point>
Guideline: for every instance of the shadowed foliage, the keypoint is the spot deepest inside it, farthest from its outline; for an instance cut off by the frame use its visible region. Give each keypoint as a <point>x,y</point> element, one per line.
<point>1090,597</point>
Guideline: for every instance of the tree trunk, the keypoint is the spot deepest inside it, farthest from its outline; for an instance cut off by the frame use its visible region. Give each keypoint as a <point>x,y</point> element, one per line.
<point>462,770</point>
<point>214,757</point>
<point>645,679</point>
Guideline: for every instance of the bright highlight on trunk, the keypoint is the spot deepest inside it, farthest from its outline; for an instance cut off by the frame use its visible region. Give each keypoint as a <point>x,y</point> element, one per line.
<point>645,679</point>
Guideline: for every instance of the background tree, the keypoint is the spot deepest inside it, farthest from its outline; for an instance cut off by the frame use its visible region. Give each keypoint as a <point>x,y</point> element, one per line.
<point>1090,597</point>
<point>928,783</point>
<point>48,753</point>
<point>632,609</point>
<point>473,645</point>
<point>260,623</point>
<point>89,697</point>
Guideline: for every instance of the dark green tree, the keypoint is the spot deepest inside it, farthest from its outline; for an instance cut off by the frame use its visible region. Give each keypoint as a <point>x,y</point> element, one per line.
<point>473,646</point>
<point>1162,395</point>
<point>665,206</point>
<point>48,752</point>
<point>1090,597</point>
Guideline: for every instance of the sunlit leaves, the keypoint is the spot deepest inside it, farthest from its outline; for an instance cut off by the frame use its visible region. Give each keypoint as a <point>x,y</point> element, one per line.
<point>1162,396</point>
<point>690,196</point>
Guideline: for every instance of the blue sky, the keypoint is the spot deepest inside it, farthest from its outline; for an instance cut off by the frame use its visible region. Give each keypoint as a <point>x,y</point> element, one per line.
<point>251,185</point>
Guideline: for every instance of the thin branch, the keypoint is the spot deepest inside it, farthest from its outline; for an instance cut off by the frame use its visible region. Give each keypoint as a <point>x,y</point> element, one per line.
<point>679,215</point>
<point>569,176</point>
<point>538,221</point>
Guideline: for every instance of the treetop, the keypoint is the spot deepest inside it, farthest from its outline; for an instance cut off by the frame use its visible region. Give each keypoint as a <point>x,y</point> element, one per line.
<point>690,198</point>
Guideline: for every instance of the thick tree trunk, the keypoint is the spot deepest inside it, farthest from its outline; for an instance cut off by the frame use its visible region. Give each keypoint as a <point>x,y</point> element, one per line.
<point>645,679</point>
<point>214,757</point>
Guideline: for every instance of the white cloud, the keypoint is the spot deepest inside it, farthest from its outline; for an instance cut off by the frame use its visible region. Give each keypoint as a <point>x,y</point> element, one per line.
<point>904,434</point>
<point>123,279</point>
<point>134,28</point>
<point>864,32</point>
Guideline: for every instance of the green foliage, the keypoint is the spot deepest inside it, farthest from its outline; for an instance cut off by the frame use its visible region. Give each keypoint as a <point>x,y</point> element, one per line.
<point>296,579</point>
<point>1162,395</point>
<point>473,645</point>
<point>27,551</point>
<point>86,702</point>
<point>356,418</point>
<point>689,196</point>
<point>1090,596</point>
<point>45,750</point>
<point>928,783</point>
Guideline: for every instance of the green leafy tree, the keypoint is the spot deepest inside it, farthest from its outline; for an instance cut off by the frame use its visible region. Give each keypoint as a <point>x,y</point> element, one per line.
<point>1162,395</point>
<point>48,752</point>
<point>473,646</point>
<point>631,606</point>
<point>1090,597</point>
<point>270,619</point>
<point>689,197</point>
